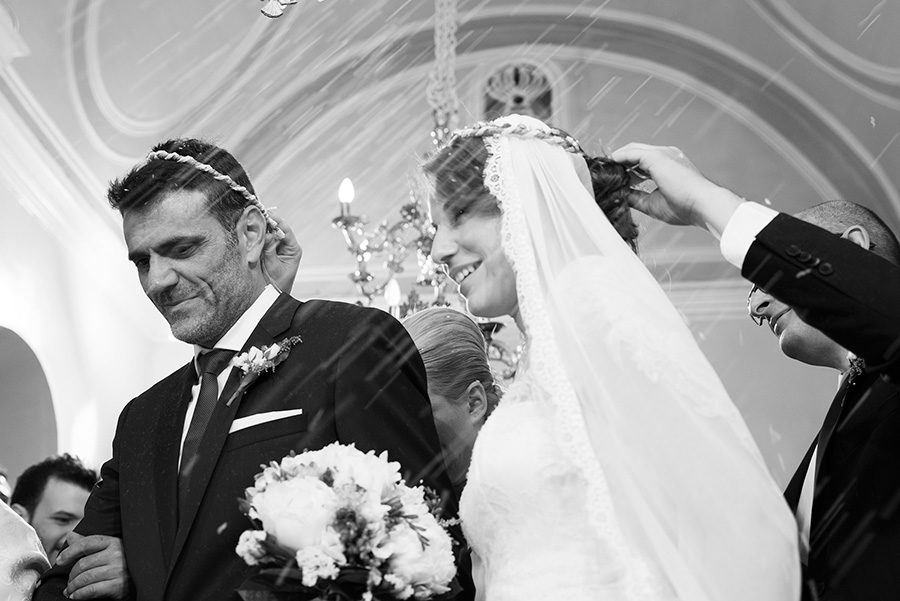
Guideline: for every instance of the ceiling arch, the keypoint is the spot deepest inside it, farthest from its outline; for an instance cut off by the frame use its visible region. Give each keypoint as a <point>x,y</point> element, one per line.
<point>820,138</point>
<point>878,80</point>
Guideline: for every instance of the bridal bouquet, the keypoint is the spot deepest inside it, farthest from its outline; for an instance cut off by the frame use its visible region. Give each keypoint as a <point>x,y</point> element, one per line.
<point>338,523</point>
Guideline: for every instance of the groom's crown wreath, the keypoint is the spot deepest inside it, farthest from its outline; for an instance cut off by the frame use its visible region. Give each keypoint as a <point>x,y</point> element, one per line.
<point>164,155</point>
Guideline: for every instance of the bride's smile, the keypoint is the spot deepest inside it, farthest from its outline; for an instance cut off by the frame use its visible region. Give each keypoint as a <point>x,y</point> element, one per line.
<point>461,273</point>
<point>469,246</point>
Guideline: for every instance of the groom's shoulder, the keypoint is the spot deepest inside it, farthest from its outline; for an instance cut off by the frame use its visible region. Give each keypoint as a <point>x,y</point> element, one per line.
<point>341,316</point>
<point>168,387</point>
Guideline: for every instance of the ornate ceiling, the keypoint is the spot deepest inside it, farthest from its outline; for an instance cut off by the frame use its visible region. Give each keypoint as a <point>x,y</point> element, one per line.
<point>785,102</point>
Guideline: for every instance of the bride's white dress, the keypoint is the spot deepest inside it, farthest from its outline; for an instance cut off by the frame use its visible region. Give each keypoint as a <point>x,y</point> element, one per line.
<point>616,467</point>
<point>524,513</point>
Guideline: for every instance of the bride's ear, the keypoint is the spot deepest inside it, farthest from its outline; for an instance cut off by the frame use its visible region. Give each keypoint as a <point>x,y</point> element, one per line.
<point>476,402</point>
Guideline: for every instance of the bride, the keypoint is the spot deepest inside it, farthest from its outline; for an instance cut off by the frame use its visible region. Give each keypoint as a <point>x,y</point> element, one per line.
<point>615,467</point>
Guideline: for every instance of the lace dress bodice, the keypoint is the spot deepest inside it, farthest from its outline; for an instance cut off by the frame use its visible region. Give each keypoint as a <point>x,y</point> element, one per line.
<point>524,513</point>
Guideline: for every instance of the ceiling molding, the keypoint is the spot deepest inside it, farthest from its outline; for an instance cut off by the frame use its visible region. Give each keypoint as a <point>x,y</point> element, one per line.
<point>42,186</point>
<point>98,112</point>
<point>881,83</point>
<point>820,137</point>
<point>24,113</point>
<point>12,45</point>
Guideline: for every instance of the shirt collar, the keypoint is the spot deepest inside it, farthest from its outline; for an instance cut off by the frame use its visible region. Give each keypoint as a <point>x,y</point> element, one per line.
<point>235,338</point>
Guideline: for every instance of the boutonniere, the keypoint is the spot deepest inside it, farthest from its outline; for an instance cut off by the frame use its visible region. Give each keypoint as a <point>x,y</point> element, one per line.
<point>257,361</point>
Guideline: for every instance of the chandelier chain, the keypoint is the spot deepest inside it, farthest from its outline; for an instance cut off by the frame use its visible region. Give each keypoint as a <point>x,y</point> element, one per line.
<point>441,89</point>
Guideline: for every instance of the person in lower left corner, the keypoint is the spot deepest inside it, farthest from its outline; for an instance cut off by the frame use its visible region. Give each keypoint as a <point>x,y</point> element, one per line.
<point>22,559</point>
<point>5,488</point>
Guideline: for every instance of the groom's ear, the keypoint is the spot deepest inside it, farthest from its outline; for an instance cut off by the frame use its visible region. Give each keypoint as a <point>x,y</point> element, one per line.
<point>251,234</point>
<point>23,513</point>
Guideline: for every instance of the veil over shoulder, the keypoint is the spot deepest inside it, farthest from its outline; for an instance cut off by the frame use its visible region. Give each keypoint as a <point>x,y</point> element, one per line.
<point>637,404</point>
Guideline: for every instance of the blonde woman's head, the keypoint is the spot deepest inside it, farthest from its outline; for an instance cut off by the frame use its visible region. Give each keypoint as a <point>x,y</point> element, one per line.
<point>460,383</point>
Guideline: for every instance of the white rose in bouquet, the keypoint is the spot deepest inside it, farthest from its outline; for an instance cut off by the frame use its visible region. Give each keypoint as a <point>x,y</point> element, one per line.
<point>420,563</point>
<point>296,512</point>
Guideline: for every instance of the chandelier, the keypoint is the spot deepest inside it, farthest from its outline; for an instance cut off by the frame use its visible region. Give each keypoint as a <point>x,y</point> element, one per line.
<point>412,231</point>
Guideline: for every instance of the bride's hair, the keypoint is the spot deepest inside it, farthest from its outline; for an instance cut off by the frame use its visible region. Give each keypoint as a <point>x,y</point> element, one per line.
<point>457,173</point>
<point>453,349</point>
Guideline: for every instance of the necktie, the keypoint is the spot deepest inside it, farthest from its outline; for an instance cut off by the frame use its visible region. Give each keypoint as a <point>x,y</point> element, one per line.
<point>834,413</point>
<point>210,365</point>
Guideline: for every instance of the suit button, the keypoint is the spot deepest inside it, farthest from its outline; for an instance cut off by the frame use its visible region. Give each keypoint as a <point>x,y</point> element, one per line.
<point>826,269</point>
<point>793,250</point>
<point>804,257</point>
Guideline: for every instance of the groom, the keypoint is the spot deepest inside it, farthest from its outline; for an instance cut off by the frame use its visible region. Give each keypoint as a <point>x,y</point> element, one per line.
<point>185,450</point>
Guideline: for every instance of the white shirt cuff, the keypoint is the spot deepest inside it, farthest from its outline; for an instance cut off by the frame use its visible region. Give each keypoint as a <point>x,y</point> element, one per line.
<point>749,220</point>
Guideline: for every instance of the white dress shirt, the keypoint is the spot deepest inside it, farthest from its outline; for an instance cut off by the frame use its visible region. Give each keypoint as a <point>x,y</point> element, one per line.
<point>749,220</point>
<point>233,340</point>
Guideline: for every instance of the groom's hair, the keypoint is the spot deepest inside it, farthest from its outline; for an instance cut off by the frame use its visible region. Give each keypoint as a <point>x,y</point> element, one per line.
<point>31,484</point>
<point>146,183</point>
<point>838,215</point>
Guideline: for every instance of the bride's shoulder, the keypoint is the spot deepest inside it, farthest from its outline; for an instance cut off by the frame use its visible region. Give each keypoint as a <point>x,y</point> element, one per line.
<point>523,412</point>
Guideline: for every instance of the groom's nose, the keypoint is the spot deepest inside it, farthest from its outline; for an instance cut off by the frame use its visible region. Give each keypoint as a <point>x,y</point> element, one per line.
<point>758,304</point>
<point>160,276</point>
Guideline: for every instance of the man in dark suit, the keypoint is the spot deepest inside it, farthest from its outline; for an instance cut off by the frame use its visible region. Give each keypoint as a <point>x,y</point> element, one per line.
<point>828,285</point>
<point>185,450</point>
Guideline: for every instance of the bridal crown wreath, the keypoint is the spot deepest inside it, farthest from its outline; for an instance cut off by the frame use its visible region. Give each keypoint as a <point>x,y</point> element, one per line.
<point>550,135</point>
<point>520,130</point>
<point>218,176</point>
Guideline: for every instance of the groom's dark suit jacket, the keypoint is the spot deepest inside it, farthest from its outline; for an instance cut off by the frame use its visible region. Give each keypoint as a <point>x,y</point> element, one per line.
<point>853,296</point>
<point>358,379</point>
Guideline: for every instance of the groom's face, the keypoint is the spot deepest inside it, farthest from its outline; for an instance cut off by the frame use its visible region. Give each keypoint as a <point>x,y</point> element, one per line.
<point>193,270</point>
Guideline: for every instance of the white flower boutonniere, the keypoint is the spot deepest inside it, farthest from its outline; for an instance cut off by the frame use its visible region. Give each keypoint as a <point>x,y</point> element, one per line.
<point>257,361</point>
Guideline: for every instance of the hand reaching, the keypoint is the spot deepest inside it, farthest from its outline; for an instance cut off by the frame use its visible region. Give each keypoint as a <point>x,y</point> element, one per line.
<point>99,568</point>
<point>684,196</point>
<point>281,258</point>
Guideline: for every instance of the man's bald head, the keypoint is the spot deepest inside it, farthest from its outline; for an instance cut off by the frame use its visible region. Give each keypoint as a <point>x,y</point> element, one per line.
<point>839,215</point>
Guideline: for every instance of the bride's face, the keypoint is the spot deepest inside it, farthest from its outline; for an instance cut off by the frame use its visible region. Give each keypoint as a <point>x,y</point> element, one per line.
<point>469,245</point>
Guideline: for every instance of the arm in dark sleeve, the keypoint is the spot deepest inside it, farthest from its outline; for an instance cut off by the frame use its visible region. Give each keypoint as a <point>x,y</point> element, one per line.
<point>851,294</point>
<point>102,515</point>
<point>381,401</point>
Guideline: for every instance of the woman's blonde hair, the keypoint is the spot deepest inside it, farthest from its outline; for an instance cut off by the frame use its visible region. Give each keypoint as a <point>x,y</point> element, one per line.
<point>454,352</point>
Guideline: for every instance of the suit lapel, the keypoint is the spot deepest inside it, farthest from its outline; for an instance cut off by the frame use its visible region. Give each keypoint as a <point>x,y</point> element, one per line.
<point>165,464</point>
<point>273,324</point>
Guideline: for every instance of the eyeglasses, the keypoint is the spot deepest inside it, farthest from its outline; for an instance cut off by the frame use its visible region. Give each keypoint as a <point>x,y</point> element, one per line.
<point>757,319</point>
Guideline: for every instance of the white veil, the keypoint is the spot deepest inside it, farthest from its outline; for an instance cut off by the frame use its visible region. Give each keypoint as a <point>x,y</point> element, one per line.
<point>638,406</point>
